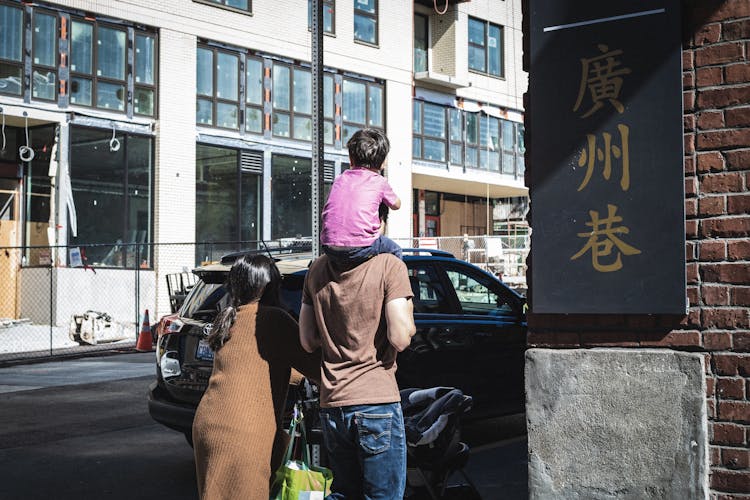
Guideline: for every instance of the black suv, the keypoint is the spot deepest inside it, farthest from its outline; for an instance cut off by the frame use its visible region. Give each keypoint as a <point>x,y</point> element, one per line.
<point>471,334</point>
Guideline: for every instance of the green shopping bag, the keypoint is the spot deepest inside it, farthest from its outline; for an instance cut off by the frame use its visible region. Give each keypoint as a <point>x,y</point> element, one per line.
<point>299,479</point>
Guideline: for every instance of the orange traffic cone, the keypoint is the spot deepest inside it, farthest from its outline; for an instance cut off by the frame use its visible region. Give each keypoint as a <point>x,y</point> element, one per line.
<point>145,340</point>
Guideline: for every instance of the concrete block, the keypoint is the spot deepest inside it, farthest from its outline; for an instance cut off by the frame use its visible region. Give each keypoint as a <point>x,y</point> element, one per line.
<point>616,424</point>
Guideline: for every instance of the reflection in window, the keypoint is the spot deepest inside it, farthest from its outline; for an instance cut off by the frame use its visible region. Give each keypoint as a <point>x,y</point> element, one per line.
<point>485,47</point>
<point>112,193</point>
<point>290,197</point>
<point>44,56</point>
<point>329,9</point>
<point>363,106</point>
<point>217,105</point>
<point>430,141</point>
<point>420,43</point>
<point>145,75</point>
<point>366,21</point>
<point>476,295</point>
<point>37,194</point>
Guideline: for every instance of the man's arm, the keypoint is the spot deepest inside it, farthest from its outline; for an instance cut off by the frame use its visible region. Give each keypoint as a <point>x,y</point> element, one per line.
<point>308,329</point>
<point>399,316</point>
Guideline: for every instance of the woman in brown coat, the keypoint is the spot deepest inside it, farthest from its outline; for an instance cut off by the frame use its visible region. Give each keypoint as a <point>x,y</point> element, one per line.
<point>237,431</point>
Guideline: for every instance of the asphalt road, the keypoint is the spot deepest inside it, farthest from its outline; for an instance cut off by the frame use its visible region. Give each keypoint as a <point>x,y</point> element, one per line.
<point>79,429</point>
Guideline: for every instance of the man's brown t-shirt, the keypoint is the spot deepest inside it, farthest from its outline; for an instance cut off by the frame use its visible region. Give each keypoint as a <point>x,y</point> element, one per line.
<point>359,363</point>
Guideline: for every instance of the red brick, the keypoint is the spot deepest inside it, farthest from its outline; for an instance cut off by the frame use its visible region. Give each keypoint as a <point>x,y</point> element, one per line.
<point>691,186</point>
<point>710,387</point>
<point>719,54</point>
<point>540,339</point>
<point>728,434</point>
<point>736,29</point>
<point>691,249</point>
<point>688,100</point>
<point>738,160</point>
<point>738,117</point>
<point>727,227</point>
<point>733,458</point>
<point>741,296</point>
<point>688,123</point>
<point>608,339</point>
<point>706,77</point>
<point>738,204</point>
<point>691,229</point>
<point>691,272</point>
<point>688,80</point>
<point>689,141</point>
<point>730,388</point>
<point>737,73</point>
<point>715,295</point>
<point>675,338</point>
<point>720,10</point>
<point>735,411</point>
<point>717,341</point>
<point>712,161</point>
<point>725,318</point>
<point>722,97</point>
<point>730,182</point>
<point>711,409</point>
<point>693,296</point>
<point>712,250</point>
<point>738,250</point>
<point>741,341</point>
<point>731,481</point>
<point>691,207</point>
<point>712,206</point>
<point>724,138</point>
<point>687,59</point>
<point>726,364</point>
<point>743,368</point>
<point>689,165</point>
<point>692,320</point>
<point>707,34</point>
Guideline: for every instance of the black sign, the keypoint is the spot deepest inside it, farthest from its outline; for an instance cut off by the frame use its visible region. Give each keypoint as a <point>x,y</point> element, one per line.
<point>606,163</point>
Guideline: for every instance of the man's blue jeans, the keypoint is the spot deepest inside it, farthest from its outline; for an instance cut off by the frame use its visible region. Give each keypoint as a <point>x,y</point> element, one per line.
<point>366,447</point>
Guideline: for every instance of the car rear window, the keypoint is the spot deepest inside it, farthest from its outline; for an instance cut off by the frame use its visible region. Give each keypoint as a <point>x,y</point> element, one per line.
<point>204,301</point>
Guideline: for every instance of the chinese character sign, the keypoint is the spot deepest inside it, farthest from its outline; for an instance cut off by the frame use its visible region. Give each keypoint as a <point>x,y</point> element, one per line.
<point>606,166</point>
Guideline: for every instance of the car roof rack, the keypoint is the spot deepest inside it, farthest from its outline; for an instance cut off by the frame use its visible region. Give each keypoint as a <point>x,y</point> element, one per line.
<point>431,251</point>
<point>283,248</point>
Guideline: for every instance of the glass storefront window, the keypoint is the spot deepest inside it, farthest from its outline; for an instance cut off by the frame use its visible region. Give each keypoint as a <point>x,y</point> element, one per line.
<point>112,192</point>
<point>290,197</point>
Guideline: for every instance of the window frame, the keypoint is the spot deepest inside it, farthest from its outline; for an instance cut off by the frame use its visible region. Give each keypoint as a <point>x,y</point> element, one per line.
<point>19,65</point>
<point>221,4</point>
<point>56,53</point>
<point>358,12</point>
<point>368,85</point>
<point>214,88</point>
<point>326,3</point>
<point>153,87</point>
<point>486,48</point>
<point>421,136</point>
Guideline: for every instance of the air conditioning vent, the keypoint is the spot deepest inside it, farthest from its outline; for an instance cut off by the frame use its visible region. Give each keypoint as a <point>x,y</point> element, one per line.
<point>252,161</point>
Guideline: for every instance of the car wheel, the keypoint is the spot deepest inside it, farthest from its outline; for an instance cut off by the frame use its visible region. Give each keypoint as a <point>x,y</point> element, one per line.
<point>189,438</point>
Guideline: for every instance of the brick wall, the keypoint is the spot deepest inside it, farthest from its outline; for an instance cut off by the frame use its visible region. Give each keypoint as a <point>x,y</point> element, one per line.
<point>716,81</point>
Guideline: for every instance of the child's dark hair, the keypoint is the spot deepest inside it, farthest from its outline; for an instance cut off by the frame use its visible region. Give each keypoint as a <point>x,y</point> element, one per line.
<point>368,148</point>
<point>251,278</point>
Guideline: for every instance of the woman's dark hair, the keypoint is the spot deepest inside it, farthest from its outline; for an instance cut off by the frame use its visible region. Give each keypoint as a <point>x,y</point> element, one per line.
<point>252,278</point>
<point>368,148</point>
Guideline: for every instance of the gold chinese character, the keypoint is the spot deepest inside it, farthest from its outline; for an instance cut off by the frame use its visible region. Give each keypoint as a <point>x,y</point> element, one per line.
<point>602,238</point>
<point>590,154</point>
<point>601,75</point>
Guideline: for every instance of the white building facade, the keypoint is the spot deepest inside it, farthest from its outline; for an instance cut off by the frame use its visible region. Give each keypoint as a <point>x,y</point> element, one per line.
<point>186,121</point>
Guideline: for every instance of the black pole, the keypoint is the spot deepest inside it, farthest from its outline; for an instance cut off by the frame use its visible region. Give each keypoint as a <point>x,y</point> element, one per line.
<point>316,28</point>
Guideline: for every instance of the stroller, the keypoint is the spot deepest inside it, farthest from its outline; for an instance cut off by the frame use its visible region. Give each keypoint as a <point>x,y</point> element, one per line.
<point>434,447</point>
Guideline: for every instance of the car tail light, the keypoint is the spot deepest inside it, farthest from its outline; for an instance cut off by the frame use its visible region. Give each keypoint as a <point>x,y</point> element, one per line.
<point>169,324</point>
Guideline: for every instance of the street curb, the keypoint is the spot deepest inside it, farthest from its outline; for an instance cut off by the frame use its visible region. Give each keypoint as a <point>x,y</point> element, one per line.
<point>94,353</point>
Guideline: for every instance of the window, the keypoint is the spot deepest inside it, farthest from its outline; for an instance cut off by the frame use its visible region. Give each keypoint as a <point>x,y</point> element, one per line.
<point>489,143</point>
<point>218,88</point>
<point>11,50</point>
<point>329,18</point>
<point>429,297</point>
<point>227,195</point>
<point>144,98</point>
<point>485,47</point>
<point>478,295</point>
<point>98,65</point>
<point>363,106</point>
<point>112,192</point>
<point>241,5</point>
<point>420,43</point>
<point>366,21</point>
<point>291,194</point>
<point>44,56</point>
<point>429,142</point>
